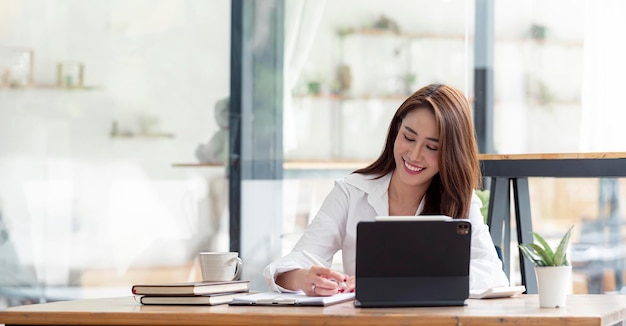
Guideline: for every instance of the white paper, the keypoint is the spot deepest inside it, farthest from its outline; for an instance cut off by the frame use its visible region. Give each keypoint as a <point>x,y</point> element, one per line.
<point>498,292</point>
<point>275,298</point>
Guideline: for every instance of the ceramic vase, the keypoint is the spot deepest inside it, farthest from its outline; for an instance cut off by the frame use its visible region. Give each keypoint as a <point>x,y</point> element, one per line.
<point>554,283</point>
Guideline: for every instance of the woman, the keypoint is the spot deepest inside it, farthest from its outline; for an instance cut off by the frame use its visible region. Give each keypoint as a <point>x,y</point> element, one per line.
<point>429,166</point>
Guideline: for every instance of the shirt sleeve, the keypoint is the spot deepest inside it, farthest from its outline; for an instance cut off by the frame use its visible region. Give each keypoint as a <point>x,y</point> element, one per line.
<point>322,238</point>
<point>485,265</point>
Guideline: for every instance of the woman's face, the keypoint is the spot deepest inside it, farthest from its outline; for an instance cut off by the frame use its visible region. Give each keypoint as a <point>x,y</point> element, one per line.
<point>416,148</point>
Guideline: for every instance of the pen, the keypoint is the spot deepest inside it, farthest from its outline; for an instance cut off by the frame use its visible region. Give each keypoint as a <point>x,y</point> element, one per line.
<point>317,262</point>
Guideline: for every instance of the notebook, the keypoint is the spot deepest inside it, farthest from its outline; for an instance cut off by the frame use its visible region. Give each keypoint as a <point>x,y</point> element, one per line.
<point>289,299</point>
<point>412,263</point>
<point>498,292</point>
<point>190,288</point>
<point>207,300</point>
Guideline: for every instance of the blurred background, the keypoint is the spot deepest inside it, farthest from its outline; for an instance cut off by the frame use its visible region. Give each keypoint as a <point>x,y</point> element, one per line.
<point>113,129</point>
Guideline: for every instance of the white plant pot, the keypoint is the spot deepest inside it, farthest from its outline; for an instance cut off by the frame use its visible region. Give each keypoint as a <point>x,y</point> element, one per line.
<point>554,283</point>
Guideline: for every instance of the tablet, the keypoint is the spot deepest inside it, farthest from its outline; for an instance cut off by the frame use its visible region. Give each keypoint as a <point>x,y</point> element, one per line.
<point>498,292</point>
<point>386,272</point>
<point>414,218</point>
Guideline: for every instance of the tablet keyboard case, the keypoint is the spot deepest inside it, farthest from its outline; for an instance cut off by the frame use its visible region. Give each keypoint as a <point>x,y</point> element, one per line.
<point>412,263</point>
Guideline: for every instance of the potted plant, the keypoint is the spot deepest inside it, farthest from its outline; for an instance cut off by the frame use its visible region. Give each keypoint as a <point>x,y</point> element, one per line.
<point>552,269</point>
<point>484,199</point>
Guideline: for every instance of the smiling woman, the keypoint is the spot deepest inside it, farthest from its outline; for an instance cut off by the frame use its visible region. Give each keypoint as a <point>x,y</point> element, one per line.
<point>442,115</point>
<point>429,166</point>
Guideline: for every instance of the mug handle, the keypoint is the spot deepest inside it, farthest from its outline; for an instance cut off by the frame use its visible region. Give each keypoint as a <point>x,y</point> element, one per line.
<point>237,268</point>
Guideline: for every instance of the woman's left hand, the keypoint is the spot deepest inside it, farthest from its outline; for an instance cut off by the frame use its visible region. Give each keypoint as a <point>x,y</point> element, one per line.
<point>351,284</point>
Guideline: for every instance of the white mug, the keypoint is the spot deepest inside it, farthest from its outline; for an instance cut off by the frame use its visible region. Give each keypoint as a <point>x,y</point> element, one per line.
<point>220,266</point>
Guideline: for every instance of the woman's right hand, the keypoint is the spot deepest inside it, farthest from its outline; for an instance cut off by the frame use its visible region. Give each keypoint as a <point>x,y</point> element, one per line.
<point>323,281</point>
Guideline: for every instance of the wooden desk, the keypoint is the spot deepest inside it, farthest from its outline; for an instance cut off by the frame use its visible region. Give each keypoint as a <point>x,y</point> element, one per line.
<point>513,170</point>
<point>301,169</point>
<point>524,310</point>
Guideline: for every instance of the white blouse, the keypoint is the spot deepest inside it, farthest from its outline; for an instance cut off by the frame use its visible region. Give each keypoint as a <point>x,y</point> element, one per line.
<point>357,198</point>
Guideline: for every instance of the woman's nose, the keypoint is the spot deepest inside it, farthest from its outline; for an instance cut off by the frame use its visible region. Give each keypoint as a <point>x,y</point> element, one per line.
<point>414,153</point>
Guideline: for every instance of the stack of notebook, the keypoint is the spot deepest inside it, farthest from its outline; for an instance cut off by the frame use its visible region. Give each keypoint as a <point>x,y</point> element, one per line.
<point>190,293</point>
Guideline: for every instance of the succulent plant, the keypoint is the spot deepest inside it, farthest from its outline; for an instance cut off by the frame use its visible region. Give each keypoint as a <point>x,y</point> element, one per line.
<point>541,254</point>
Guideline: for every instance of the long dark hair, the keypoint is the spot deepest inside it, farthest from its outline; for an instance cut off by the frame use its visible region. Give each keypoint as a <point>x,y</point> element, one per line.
<point>450,191</point>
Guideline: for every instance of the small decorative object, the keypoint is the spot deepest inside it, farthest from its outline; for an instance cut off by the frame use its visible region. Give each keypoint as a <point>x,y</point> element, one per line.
<point>70,74</point>
<point>537,31</point>
<point>343,31</point>
<point>385,23</point>
<point>552,269</point>
<point>540,93</point>
<point>148,124</point>
<point>409,79</point>
<point>16,67</point>
<point>484,199</point>
<point>344,79</point>
<point>314,87</point>
<point>5,78</point>
<point>216,150</point>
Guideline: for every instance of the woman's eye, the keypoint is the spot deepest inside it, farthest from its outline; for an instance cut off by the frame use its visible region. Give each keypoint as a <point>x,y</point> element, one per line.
<point>409,139</point>
<point>432,148</point>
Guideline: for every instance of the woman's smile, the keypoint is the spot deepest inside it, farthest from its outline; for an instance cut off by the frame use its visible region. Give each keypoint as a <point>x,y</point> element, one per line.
<point>412,169</point>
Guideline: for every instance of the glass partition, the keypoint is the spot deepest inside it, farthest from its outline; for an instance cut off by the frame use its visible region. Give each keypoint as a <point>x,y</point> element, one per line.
<point>556,72</point>
<point>345,76</point>
<point>99,100</point>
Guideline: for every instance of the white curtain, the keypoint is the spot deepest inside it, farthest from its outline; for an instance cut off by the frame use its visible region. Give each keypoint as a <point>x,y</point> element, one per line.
<point>604,77</point>
<point>302,20</point>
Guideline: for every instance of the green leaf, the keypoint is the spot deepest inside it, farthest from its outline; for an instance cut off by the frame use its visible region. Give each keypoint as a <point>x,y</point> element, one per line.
<point>545,257</point>
<point>544,244</point>
<point>560,258</point>
<point>530,254</point>
<point>484,198</point>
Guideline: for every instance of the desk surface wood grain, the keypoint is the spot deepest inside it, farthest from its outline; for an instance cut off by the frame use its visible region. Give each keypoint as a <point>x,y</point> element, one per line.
<point>354,164</point>
<point>552,156</point>
<point>523,310</point>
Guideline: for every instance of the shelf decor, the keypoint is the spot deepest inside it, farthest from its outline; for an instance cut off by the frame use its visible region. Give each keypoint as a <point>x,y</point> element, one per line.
<point>386,23</point>
<point>344,79</point>
<point>70,74</point>
<point>538,32</point>
<point>16,67</point>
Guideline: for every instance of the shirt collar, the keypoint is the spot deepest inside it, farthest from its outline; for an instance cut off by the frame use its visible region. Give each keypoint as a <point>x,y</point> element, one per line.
<point>377,191</point>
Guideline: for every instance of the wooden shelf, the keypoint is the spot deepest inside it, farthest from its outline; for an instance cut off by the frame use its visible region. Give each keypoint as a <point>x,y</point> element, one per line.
<point>552,156</point>
<point>297,165</point>
<point>356,164</point>
<point>142,135</point>
<point>460,37</point>
<point>337,97</point>
<point>325,165</point>
<point>409,35</point>
<point>48,87</point>
<point>542,42</point>
<point>196,165</point>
